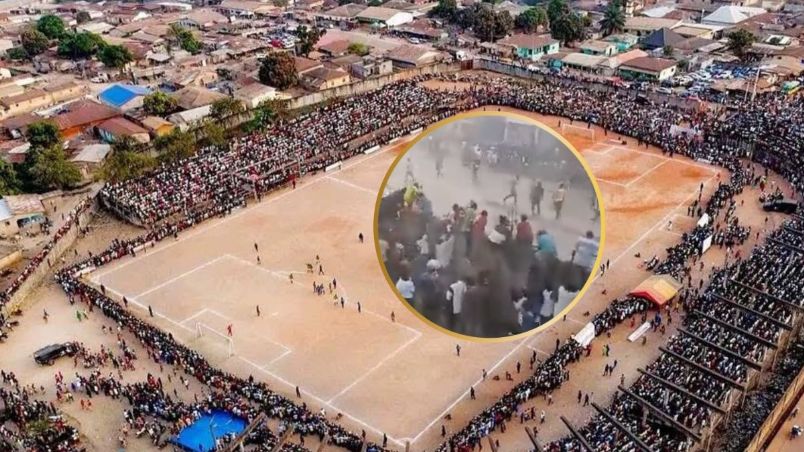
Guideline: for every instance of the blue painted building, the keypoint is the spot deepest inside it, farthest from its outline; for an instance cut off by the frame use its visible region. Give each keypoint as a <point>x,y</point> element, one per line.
<point>124,97</point>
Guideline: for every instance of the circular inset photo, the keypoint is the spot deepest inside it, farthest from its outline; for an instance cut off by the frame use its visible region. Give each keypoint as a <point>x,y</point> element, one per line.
<point>489,225</point>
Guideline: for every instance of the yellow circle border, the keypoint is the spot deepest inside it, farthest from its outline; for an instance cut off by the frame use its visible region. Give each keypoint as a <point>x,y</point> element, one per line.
<point>475,114</point>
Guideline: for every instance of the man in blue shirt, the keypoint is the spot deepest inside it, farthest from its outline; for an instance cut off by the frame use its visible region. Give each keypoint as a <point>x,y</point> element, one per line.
<point>545,242</point>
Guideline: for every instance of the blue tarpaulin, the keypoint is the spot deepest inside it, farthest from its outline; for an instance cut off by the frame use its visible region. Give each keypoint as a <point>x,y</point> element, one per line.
<point>201,435</point>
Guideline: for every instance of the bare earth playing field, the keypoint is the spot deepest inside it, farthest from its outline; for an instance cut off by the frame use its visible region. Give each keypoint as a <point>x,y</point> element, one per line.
<point>401,377</point>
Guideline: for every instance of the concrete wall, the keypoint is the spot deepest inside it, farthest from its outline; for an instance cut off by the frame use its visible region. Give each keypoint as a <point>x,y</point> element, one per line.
<point>369,85</point>
<point>36,277</point>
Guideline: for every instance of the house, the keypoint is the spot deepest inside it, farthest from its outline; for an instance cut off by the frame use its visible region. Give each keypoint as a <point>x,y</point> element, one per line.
<point>81,115</point>
<point>531,47</point>
<point>325,78</point>
<point>188,118</point>
<point>201,19</point>
<point>304,65</point>
<point>192,97</point>
<point>595,47</point>
<point>696,31</point>
<point>370,67</point>
<point>423,29</point>
<point>408,56</point>
<point>648,68</point>
<point>37,98</point>
<point>661,38</point>
<point>335,48</point>
<point>122,96</point>
<point>157,126</point>
<point>20,212</point>
<point>385,17</point>
<point>246,8</point>
<point>201,77</point>
<point>583,62</point>
<point>643,26</point>
<point>115,129</point>
<point>623,41</point>
<point>91,157</point>
<point>343,13</point>
<point>731,15</point>
<point>255,94</point>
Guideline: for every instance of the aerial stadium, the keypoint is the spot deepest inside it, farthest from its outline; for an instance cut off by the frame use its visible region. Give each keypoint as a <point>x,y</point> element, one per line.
<point>233,298</point>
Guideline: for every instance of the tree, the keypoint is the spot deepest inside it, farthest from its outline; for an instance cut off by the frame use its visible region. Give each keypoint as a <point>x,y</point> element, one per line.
<point>43,134</point>
<point>739,41</point>
<point>530,20</point>
<point>9,183</point>
<point>16,54</point>
<point>358,49</point>
<point>490,26</point>
<point>33,41</point>
<point>307,39</point>
<point>214,134</point>
<point>185,38</point>
<point>667,51</point>
<point>51,169</point>
<point>159,104</point>
<point>82,17</point>
<point>565,24</point>
<point>125,162</point>
<point>613,18</point>
<point>80,45</point>
<point>226,107</point>
<point>278,70</point>
<point>176,145</point>
<point>281,3</point>
<point>375,2</point>
<point>51,26</point>
<point>446,9</point>
<point>115,56</point>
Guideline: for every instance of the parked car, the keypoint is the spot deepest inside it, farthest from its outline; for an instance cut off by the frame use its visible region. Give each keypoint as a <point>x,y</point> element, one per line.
<point>788,206</point>
<point>48,354</point>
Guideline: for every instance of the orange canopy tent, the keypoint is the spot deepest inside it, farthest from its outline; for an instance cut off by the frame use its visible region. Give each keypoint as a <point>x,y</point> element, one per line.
<point>659,289</point>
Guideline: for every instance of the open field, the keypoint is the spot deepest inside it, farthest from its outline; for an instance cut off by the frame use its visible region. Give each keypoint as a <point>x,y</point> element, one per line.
<point>396,377</point>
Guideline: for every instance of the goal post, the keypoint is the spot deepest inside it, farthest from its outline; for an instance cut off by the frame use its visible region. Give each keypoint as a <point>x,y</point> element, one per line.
<point>203,330</point>
<point>579,131</point>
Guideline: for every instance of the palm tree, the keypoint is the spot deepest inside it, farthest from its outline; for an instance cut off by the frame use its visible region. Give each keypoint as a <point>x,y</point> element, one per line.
<point>613,19</point>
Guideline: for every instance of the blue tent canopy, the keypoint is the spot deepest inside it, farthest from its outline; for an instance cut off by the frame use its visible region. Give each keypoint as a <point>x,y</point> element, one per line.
<point>200,436</point>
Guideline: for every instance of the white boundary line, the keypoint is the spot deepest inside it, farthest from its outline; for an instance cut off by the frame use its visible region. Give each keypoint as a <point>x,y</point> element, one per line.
<point>606,181</point>
<point>637,179</point>
<point>197,314</point>
<point>351,185</point>
<point>180,276</point>
<point>376,366</point>
<point>465,393</point>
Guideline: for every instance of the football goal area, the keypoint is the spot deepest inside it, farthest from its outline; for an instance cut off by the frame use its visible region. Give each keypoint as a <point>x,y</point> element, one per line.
<point>215,337</point>
<point>578,131</point>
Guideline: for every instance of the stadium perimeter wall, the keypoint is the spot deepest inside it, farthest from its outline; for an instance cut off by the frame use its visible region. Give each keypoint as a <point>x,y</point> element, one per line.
<point>36,277</point>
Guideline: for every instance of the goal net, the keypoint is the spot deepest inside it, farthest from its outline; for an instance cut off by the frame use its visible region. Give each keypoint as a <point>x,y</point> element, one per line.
<point>579,131</point>
<point>210,334</point>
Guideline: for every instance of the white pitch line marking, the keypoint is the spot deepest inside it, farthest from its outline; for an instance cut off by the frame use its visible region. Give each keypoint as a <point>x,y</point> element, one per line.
<point>654,167</point>
<point>197,314</point>
<point>351,185</point>
<point>465,393</point>
<point>178,277</point>
<point>370,371</point>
